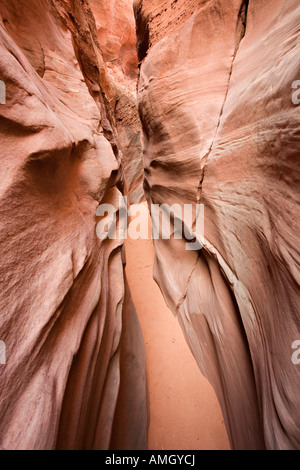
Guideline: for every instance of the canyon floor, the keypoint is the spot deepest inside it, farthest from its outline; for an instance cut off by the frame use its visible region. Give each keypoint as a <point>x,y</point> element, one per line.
<point>184,410</point>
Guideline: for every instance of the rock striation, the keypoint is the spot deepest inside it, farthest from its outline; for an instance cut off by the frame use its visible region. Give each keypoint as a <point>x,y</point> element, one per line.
<point>220,129</point>
<point>117,39</point>
<point>75,366</point>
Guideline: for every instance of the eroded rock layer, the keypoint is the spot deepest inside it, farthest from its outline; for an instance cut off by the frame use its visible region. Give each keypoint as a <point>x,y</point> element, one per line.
<point>75,372</point>
<point>220,129</point>
<point>117,38</point>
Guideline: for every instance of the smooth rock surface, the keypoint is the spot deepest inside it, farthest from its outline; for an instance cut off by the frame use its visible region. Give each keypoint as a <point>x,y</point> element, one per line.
<point>220,129</point>
<point>75,372</point>
<point>116,34</point>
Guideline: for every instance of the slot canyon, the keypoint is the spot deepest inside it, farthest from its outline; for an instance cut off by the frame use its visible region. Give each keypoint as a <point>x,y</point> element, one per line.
<point>154,342</point>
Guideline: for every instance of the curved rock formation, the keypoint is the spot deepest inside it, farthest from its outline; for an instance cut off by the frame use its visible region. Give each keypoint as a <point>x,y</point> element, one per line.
<point>220,129</point>
<point>117,38</point>
<point>75,371</point>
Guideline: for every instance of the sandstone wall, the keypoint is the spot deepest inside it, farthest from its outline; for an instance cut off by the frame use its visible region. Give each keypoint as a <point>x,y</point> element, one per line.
<point>75,372</point>
<point>220,129</point>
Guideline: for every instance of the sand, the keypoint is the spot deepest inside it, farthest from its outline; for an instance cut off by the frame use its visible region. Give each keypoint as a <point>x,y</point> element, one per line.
<point>184,410</point>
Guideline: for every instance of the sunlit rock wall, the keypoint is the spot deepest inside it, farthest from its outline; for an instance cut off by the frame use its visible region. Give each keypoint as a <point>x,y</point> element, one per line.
<point>220,129</point>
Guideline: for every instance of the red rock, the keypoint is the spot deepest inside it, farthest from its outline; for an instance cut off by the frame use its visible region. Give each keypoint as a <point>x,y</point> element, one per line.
<point>66,315</point>
<point>220,128</point>
<point>117,38</point>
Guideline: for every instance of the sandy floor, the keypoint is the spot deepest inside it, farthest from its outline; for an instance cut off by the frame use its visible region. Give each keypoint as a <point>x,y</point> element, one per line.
<point>184,411</point>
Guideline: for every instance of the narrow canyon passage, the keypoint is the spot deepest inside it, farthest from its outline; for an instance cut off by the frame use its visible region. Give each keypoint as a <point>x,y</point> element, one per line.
<point>184,411</point>
<point>192,105</point>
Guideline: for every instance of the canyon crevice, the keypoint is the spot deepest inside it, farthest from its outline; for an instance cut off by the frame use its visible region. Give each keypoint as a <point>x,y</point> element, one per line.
<point>75,374</point>
<point>220,129</point>
<point>177,102</point>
